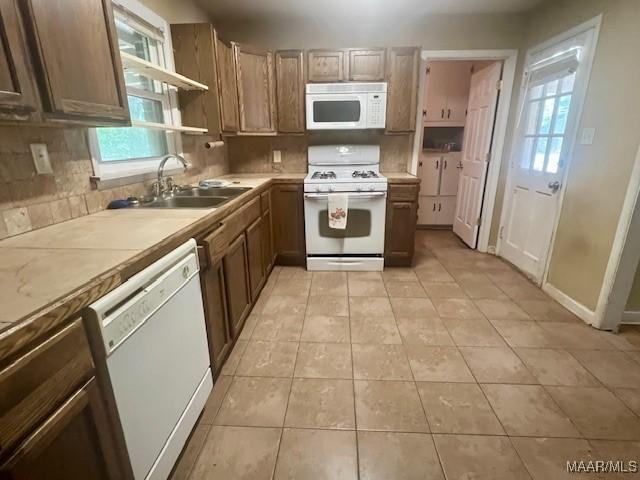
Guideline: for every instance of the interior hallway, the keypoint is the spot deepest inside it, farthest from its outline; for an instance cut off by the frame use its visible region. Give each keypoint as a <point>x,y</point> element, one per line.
<point>455,366</point>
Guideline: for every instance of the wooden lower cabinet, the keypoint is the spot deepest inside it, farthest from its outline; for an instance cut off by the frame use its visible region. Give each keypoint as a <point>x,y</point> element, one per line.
<point>215,306</point>
<point>237,284</point>
<point>268,253</point>
<point>400,229</point>
<point>287,205</point>
<point>74,442</point>
<point>255,257</point>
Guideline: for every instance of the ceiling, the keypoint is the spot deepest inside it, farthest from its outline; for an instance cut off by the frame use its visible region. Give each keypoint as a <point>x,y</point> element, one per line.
<point>279,9</point>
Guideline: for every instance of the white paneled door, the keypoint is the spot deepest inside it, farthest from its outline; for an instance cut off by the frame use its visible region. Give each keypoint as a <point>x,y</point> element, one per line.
<point>544,135</point>
<point>483,98</point>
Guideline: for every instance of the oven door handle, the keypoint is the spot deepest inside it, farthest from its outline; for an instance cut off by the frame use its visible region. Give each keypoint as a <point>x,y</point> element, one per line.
<point>316,196</point>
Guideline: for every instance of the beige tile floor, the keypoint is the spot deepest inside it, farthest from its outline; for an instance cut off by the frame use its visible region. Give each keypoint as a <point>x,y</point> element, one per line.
<point>456,368</point>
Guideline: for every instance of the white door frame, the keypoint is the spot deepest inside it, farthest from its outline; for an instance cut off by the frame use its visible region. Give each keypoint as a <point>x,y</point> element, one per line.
<point>623,260</point>
<point>510,58</point>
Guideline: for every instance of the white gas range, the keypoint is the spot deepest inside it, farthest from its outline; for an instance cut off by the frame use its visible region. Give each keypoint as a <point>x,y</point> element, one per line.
<point>353,170</point>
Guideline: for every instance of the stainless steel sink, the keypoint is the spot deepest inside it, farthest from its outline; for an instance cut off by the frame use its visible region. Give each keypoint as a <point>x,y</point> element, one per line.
<point>185,202</point>
<point>227,192</point>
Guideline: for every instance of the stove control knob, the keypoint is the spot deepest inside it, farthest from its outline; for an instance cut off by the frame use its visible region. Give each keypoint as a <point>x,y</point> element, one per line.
<point>371,188</point>
<point>358,188</point>
<point>318,188</point>
<point>331,189</point>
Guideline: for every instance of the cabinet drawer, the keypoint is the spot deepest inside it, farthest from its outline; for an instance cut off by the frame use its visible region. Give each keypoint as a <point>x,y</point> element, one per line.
<point>238,221</point>
<point>403,193</point>
<point>215,244</point>
<point>36,384</point>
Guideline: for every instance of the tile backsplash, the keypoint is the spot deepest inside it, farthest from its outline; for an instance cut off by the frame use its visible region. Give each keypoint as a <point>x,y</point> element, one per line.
<point>254,154</point>
<point>29,201</point>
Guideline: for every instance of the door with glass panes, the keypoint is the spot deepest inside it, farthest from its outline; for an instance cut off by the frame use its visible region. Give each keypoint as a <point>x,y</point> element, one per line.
<point>537,168</point>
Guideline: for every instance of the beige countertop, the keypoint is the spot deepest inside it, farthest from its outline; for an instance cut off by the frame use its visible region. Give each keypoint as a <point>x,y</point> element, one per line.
<point>45,267</point>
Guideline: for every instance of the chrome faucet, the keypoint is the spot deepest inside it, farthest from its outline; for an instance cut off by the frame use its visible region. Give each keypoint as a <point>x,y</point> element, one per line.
<point>160,187</point>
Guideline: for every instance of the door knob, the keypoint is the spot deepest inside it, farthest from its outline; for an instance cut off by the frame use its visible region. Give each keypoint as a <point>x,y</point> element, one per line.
<point>460,166</point>
<point>554,186</point>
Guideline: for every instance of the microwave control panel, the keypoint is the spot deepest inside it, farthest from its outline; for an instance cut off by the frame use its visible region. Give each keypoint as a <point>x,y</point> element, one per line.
<point>376,110</point>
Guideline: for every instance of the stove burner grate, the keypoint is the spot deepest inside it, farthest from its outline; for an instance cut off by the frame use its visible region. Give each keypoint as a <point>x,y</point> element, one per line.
<point>364,174</point>
<point>324,175</point>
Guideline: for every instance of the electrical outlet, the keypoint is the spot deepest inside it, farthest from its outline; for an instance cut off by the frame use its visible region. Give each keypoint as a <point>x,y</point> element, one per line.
<point>587,136</point>
<point>41,159</point>
<point>277,156</point>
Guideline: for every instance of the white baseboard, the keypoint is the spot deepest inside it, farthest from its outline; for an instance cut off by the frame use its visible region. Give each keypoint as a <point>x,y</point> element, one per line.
<point>575,307</point>
<point>631,318</point>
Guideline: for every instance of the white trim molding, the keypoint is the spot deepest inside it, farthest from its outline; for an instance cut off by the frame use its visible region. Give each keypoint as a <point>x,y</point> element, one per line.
<point>581,311</point>
<point>624,258</point>
<point>631,318</point>
<point>510,58</point>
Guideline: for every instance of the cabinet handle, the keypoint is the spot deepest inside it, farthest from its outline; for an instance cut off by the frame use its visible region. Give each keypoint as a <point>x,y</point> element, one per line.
<point>445,165</point>
<point>437,164</point>
<point>424,113</point>
<point>420,163</point>
<point>448,113</point>
<point>442,114</point>
<point>434,207</point>
<point>439,206</point>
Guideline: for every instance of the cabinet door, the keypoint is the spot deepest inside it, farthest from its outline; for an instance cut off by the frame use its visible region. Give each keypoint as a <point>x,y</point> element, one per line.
<point>215,307</point>
<point>290,91</point>
<point>366,65</point>
<point>254,72</point>
<point>450,173</point>
<point>427,211</point>
<point>446,210</point>
<point>267,242</point>
<point>255,258</point>
<point>17,93</point>
<point>326,66</point>
<point>78,60</point>
<point>227,86</point>
<point>429,167</point>
<point>402,93</point>
<point>194,56</point>
<point>435,100</point>
<point>237,284</point>
<point>458,85</point>
<point>288,223</point>
<point>74,442</point>
<point>400,233</point>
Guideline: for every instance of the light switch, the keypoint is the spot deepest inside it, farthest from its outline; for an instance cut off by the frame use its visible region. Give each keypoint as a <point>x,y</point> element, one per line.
<point>587,136</point>
<point>41,159</point>
<point>277,156</point>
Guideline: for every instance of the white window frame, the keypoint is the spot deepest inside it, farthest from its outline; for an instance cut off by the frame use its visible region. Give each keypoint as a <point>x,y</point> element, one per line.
<point>140,17</point>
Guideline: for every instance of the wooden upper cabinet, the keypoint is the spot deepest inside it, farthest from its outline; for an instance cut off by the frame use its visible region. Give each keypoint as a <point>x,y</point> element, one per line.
<point>290,91</point>
<point>366,65</point>
<point>326,66</point>
<point>194,56</point>
<point>402,91</point>
<point>75,49</point>
<point>17,93</point>
<point>254,73</point>
<point>227,86</point>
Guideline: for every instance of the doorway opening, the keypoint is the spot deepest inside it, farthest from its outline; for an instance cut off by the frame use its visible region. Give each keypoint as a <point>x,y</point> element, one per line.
<point>462,118</point>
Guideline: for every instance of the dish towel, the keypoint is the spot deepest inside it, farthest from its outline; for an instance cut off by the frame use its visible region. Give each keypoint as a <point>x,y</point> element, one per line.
<point>338,208</point>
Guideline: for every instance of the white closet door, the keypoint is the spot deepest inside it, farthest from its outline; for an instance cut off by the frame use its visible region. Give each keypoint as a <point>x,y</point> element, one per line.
<point>427,211</point>
<point>450,173</point>
<point>429,173</point>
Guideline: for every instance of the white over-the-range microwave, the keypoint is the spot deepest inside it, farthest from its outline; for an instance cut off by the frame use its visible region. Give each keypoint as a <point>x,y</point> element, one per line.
<point>346,106</point>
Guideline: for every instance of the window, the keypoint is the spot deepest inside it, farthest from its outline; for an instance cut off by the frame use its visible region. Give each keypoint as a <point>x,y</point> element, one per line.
<point>132,151</point>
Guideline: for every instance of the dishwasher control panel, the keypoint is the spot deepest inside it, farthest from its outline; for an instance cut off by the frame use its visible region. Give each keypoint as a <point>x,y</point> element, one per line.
<point>118,324</point>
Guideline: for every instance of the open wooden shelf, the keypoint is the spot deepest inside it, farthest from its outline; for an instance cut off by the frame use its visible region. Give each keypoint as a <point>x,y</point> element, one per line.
<point>171,128</point>
<point>133,64</point>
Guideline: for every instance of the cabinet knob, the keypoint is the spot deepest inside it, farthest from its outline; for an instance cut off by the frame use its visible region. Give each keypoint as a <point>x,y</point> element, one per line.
<point>442,113</point>
<point>449,113</point>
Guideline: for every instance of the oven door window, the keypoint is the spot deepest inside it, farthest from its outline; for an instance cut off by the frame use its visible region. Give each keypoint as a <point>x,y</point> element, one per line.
<point>358,224</point>
<point>336,111</point>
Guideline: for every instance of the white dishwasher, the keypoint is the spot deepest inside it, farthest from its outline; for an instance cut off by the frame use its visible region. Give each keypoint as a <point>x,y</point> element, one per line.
<point>150,346</point>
